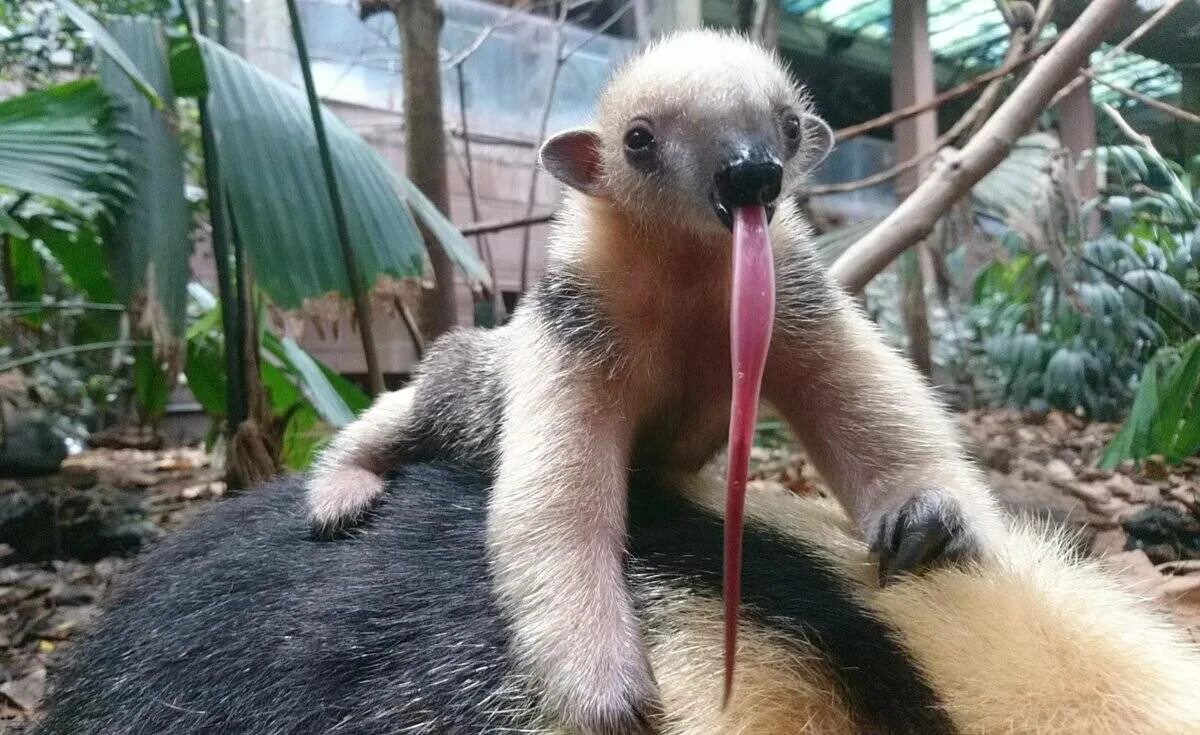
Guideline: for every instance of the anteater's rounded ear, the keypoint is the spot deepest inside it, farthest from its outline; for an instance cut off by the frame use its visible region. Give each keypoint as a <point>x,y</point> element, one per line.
<point>573,157</point>
<point>818,140</point>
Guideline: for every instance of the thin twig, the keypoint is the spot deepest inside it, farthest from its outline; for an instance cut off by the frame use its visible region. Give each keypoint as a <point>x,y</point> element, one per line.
<point>1170,109</point>
<point>883,121</point>
<point>69,350</point>
<point>531,197</point>
<point>499,225</point>
<point>481,243</point>
<point>1146,296</point>
<point>59,306</point>
<point>1142,140</point>
<point>362,303</point>
<point>1146,26</point>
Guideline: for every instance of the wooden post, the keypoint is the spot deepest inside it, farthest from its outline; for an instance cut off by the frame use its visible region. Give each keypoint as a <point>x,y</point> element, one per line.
<point>1077,130</point>
<point>913,83</point>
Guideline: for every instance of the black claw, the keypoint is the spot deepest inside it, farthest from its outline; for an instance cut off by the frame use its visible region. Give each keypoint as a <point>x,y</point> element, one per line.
<point>924,532</point>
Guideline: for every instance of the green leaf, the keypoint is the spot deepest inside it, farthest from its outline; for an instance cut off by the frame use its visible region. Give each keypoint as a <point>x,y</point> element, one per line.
<point>312,382</point>
<point>113,50</point>
<point>276,188</point>
<point>1130,441</point>
<point>452,241</point>
<point>150,244</point>
<point>150,381</point>
<point>205,370</point>
<point>1178,391</point>
<point>187,66</point>
<point>79,251</point>
<point>59,143</point>
<point>28,282</point>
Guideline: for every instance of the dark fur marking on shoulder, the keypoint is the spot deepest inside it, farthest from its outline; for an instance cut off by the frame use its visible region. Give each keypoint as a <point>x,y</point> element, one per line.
<point>790,586</point>
<point>803,294</point>
<point>572,312</point>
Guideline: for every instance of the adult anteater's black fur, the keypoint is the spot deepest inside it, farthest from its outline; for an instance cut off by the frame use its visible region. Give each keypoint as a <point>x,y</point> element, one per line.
<point>243,622</point>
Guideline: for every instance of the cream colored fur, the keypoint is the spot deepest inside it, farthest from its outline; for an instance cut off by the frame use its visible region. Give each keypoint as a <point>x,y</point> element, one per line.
<point>347,478</point>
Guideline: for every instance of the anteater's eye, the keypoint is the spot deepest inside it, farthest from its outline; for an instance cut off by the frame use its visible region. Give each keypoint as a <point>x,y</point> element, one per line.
<point>791,126</point>
<point>639,139</point>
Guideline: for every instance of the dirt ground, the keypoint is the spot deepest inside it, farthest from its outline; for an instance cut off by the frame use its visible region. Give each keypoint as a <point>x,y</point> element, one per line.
<point>1144,522</point>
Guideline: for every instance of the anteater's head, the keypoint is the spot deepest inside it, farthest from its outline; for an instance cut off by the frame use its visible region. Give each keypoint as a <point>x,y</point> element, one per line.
<point>698,125</point>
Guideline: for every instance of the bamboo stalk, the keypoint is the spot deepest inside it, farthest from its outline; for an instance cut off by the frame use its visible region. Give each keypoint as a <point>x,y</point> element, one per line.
<point>362,304</point>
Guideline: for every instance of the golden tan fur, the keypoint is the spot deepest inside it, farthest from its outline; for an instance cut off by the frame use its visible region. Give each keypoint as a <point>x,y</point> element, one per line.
<point>1029,640</point>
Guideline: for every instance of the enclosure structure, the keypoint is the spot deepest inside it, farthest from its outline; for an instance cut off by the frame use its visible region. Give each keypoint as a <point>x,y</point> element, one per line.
<point>500,78</point>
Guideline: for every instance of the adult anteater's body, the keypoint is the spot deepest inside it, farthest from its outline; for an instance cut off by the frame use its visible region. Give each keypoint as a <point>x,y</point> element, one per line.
<point>243,623</point>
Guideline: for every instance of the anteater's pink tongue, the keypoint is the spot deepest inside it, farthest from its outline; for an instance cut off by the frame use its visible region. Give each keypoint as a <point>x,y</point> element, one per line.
<point>751,315</point>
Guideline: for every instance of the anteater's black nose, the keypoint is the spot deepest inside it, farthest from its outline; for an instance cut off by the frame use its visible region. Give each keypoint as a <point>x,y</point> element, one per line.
<point>751,177</point>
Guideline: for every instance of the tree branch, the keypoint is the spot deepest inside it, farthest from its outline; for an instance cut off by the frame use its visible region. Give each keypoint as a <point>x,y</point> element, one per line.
<point>1146,26</point>
<point>1157,104</point>
<point>485,228</point>
<point>891,118</point>
<point>915,218</point>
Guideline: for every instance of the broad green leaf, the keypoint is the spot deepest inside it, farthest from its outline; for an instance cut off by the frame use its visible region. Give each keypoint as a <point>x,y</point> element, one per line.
<point>80,253</point>
<point>452,241</point>
<point>1130,442</point>
<point>114,50</point>
<point>312,382</point>
<point>150,381</point>
<point>28,283</point>
<point>276,188</point>
<point>186,65</point>
<point>59,143</point>
<point>205,371</point>
<point>150,244</point>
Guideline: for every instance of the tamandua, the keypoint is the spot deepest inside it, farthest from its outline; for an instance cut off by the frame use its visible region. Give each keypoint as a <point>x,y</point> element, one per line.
<point>620,357</point>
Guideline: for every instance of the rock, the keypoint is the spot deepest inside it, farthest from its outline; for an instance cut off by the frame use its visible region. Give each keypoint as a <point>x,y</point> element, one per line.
<point>1092,493</point>
<point>1162,527</point>
<point>27,691</point>
<point>1060,473</point>
<point>30,448</point>
<point>71,524</point>
<point>1109,542</point>
<point>1121,485</point>
<point>1181,589</point>
<point>1136,569</point>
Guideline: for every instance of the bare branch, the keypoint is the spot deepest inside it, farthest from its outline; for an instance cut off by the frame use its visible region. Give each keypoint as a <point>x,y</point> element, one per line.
<point>915,218</point>
<point>1142,140</point>
<point>883,121</point>
<point>1157,104</point>
<point>499,225</point>
<point>1146,26</point>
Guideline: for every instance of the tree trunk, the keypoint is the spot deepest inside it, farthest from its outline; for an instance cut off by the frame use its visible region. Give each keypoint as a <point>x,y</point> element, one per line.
<point>420,24</point>
<point>767,32</point>
<point>744,14</point>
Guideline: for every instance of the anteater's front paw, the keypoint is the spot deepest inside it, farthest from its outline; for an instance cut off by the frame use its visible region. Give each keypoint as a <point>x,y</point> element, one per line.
<point>928,530</point>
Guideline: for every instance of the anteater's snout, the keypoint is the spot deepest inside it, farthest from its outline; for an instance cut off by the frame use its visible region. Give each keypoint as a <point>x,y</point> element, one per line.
<point>750,178</point>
